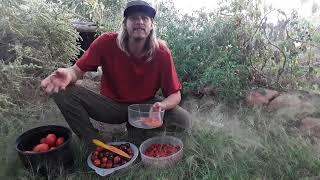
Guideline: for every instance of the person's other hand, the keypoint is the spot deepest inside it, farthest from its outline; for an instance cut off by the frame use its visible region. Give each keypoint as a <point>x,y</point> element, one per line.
<point>57,81</point>
<point>155,110</point>
<point>158,106</point>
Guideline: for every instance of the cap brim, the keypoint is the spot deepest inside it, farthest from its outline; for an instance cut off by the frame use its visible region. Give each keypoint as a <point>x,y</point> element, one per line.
<point>138,8</point>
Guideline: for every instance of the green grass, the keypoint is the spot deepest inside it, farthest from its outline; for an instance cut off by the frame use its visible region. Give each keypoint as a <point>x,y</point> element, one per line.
<point>248,144</point>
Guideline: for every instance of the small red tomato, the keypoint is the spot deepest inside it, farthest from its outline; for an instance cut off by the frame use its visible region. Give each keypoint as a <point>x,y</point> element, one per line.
<point>96,153</point>
<point>93,157</point>
<point>42,140</point>
<point>97,162</point>
<point>104,160</point>
<point>41,147</point>
<point>109,164</point>
<point>60,141</point>
<point>99,149</point>
<point>101,155</point>
<point>51,139</point>
<point>129,151</point>
<point>116,160</point>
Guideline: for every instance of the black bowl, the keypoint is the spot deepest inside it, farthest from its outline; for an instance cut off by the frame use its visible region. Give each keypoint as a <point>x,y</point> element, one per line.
<point>44,161</point>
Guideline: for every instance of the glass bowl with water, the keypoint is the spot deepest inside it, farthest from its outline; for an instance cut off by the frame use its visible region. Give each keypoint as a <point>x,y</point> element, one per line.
<point>145,116</point>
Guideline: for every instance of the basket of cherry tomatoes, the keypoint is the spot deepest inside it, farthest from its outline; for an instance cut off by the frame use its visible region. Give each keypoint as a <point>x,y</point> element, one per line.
<point>45,145</point>
<point>161,151</point>
<point>106,162</point>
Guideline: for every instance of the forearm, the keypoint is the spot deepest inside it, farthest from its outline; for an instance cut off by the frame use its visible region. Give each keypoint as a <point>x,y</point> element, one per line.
<point>172,100</point>
<point>77,73</point>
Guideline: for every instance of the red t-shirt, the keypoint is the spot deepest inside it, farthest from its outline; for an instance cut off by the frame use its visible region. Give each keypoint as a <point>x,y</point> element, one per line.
<point>129,79</point>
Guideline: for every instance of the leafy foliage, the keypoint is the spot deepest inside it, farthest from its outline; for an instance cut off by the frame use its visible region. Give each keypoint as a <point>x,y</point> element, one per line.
<point>35,39</point>
<point>235,47</point>
<point>107,14</point>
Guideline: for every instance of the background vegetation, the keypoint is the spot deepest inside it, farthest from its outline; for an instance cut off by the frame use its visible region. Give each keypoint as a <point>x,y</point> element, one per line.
<point>224,52</point>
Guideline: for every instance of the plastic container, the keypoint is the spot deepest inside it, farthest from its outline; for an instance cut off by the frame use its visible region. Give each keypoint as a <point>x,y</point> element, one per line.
<point>105,172</point>
<point>138,114</point>
<point>161,162</point>
<point>43,161</point>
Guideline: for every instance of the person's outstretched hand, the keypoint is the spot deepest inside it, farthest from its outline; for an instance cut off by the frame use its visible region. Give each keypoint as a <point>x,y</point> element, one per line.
<point>57,81</point>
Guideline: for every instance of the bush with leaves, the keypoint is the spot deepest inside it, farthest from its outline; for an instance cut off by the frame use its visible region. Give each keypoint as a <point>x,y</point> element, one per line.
<point>107,14</point>
<point>206,52</point>
<point>35,39</point>
<point>234,47</point>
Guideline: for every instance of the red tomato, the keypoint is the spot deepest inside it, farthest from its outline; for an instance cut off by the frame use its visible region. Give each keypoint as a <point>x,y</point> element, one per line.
<point>60,141</point>
<point>116,160</point>
<point>96,153</point>
<point>97,162</point>
<point>99,149</point>
<point>93,157</point>
<point>42,140</point>
<point>104,160</point>
<point>161,150</point>
<point>41,147</point>
<point>152,122</point>
<point>109,164</point>
<point>51,139</point>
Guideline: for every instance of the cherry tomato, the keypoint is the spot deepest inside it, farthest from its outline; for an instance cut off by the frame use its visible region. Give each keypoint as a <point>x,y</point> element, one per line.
<point>161,150</point>
<point>96,153</point>
<point>104,160</point>
<point>109,164</point>
<point>116,160</point>
<point>99,149</point>
<point>93,157</point>
<point>60,141</point>
<point>97,162</point>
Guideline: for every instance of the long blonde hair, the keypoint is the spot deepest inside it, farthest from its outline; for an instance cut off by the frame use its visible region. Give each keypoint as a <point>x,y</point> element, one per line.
<point>151,46</point>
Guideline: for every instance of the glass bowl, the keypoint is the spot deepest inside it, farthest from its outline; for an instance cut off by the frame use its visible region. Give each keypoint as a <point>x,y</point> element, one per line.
<point>161,162</point>
<point>144,116</point>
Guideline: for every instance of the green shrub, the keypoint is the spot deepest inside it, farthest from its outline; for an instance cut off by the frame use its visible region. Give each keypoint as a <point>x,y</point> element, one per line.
<point>35,39</point>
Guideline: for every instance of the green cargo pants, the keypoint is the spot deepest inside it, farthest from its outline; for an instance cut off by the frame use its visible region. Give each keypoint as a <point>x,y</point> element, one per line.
<point>78,104</point>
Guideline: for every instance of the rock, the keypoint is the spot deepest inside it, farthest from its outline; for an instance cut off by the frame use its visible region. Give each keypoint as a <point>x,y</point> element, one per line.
<point>95,76</point>
<point>259,97</point>
<point>285,101</point>
<point>311,126</point>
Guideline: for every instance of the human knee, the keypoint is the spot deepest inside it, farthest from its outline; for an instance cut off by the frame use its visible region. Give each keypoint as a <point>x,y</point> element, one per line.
<point>181,120</point>
<point>65,94</point>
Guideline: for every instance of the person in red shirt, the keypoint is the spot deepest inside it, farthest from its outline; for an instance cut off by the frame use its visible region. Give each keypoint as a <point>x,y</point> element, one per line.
<point>135,65</point>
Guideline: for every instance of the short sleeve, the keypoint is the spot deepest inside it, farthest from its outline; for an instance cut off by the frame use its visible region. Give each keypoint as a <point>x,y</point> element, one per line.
<point>170,82</point>
<point>92,57</point>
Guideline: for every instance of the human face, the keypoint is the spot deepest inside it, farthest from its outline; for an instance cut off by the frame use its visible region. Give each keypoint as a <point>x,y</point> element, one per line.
<point>138,25</point>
